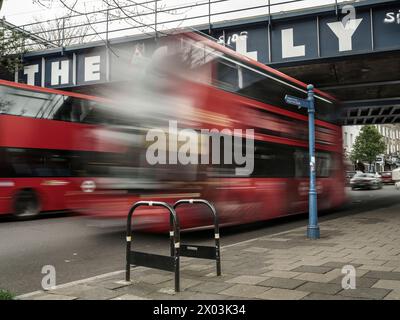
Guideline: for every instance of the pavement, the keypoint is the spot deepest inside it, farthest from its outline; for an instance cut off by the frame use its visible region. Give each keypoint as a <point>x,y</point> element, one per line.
<point>283,266</point>
<point>79,248</point>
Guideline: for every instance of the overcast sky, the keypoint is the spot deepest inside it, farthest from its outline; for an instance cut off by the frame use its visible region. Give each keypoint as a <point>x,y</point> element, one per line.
<point>20,12</point>
<point>24,11</point>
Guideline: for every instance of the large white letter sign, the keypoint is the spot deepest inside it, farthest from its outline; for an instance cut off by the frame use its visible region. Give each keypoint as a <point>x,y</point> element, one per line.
<point>241,46</point>
<point>59,72</point>
<point>30,72</point>
<point>345,32</point>
<point>289,50</point>
<point>92,68</point>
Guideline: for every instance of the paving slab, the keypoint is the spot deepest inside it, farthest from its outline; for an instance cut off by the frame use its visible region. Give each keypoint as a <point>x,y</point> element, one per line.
<point>387,284</point>
<point>211,287</point>
<point>281,274</point>
<point>313,269</point>
<point>321,296</point>
<point>324,288</point>
<point>204,296</point>
<point>155,278</point>
<point>138,289</point>
<point>393,295</point>
<point>367,293</point>
<point>111,284</point>
<point>338,264</point>
<point>383,275</point>
<point>129,297</point>
<point>83,291</point>
<point>376,268</point>
<point>256,250</point>
<point>282,294</point>
<point>198,267</point>
<point>282,283</point>
<point>54,297</point>
<point>247,279</point>
<point>361,282</point>
<point>244,290</point>
<point>315,277</point>
<point>185,283</point>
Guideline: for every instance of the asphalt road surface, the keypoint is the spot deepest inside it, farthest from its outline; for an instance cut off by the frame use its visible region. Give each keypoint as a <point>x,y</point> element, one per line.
<point>79,250</point>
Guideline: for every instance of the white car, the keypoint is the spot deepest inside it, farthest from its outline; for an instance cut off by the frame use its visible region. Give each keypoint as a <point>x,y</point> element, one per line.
<point>396,177</point>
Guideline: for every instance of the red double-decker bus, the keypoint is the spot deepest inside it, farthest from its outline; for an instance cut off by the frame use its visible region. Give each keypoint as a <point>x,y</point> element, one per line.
<point>46,142</point>
<point>209,86</point>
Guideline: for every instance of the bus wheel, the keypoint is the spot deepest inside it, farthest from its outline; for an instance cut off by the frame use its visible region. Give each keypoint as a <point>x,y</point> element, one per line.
<point>26,204</point>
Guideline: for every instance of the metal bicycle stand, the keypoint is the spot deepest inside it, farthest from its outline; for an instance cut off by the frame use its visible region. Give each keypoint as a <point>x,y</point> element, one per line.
<point>150,260</point>
<point>202,252</point>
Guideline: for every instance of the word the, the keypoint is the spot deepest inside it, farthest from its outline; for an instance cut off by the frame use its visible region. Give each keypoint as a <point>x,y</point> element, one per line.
<point>60,71</point>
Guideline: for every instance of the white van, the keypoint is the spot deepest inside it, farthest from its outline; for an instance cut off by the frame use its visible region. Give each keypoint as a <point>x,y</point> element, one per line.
<point>396,177</point>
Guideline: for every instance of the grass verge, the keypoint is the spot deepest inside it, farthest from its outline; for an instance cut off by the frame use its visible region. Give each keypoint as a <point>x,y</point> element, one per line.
<point>6,295</point>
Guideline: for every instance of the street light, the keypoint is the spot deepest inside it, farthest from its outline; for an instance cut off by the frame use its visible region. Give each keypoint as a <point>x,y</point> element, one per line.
<point>313,227</point>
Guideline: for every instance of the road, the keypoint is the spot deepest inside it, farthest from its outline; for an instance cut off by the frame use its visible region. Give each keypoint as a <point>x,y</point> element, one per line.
<point>80,250</point>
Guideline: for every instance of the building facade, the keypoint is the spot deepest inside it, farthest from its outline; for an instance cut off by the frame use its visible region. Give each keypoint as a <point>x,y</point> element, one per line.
<point>391,134</point>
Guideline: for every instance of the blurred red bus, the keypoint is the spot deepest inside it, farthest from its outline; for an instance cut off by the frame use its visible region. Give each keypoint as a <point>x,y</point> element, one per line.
<point>46,142</point>
<point>229,91</point>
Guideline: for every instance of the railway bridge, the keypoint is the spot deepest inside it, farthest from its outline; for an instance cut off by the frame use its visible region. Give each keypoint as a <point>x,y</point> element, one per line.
<point>352,52</point>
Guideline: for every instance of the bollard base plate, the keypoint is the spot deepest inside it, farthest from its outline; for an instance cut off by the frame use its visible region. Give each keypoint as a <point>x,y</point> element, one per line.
<point>313,232</point>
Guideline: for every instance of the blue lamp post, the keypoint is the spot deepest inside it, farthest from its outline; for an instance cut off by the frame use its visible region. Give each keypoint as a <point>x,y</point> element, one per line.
<point>313,227</point>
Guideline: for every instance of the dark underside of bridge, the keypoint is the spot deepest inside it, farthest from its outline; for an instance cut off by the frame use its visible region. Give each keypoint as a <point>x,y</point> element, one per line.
<point>367,85</point>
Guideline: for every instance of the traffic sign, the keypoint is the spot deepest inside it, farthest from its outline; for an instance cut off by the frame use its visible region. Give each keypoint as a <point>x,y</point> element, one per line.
<point>313,227</point>
<point>301,103</point>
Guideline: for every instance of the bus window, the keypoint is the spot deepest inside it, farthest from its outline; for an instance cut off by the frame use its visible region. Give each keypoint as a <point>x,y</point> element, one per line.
<point>25,103</point>
<point>273,161</point>
<point>77,110</point>
<point>323,163</point>
<point>60,163</point>
<point>6,170</point>
<point>28,162</point>
<point>226,77</point>
<point>270,89</point>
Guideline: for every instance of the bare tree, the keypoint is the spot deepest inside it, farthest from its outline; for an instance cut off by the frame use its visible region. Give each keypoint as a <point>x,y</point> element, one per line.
<point>140,15</point>
<point>62,32</point>
<point>11,48</point>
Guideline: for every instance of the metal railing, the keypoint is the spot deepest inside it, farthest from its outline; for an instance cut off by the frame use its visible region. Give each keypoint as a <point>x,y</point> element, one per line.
<point>172,262</point>
<point>154,18</point>
<point>151,260</point>
<point>202,252</point>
